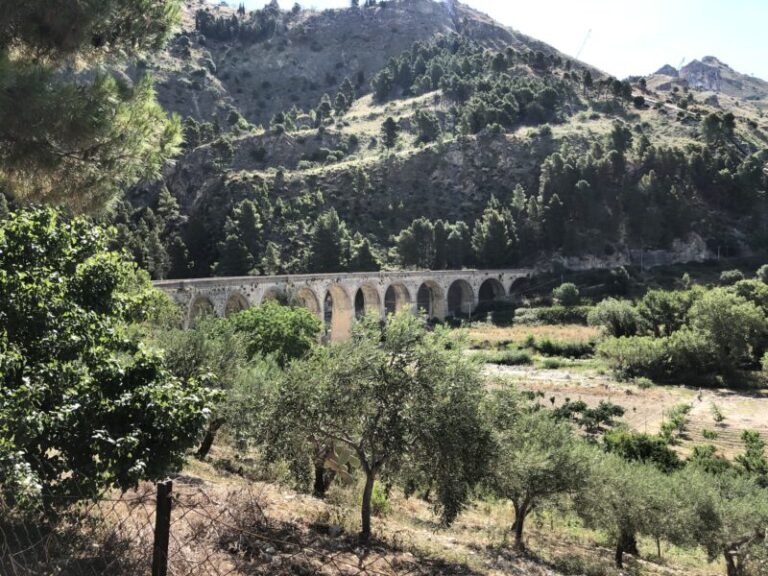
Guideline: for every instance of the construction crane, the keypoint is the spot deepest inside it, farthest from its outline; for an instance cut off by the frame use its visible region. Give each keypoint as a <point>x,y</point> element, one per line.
<point>583,44</point>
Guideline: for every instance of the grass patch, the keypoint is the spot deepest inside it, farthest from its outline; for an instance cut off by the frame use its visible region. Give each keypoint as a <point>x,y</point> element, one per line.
<point>507,358</point>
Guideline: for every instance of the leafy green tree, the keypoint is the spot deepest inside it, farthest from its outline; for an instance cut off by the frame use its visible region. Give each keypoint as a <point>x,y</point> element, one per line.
<point>323,110</point>
<point>285,332</point>
<point>665,312</point>
<point>211,348</point>
<point>753,460</point>
<point>762,274</point>
<point>714,316</point>
<point>348,90</point>
<point>442,231</point>
<point>639,447</point>
<point>389,132</point>
<point>85,407</point>
<point>340,104</point>
<point>329,244</point>
<point>567,294</point>
<point>384,395</point>
<point>616,317</point>
<point>538,459</point>
<point>272,262</point>
<point>629,499</point>
<point>78,141</point>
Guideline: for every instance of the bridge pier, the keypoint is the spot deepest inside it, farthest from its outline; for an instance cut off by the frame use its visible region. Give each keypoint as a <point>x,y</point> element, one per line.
<point>340,299</point>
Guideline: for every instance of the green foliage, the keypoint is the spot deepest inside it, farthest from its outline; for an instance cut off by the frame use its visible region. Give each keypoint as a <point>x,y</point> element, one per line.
<point>549,347</point>
<point>762,274</point>
<point>616,317</point>
<point>664,312</point>
<point>508,358</point>
<point>87,407</point>
<point>553,315</point>
<point>753,460</point>
<point>494,238</point>
<point>390,131</point>
<point>285,332</point>
<point>80,141</point>
<point>538,459</point>
<point>731,277</point>
<point>392,393</point>
<point>676,423</point>
<point>566,294</point>
<point>638,447</point>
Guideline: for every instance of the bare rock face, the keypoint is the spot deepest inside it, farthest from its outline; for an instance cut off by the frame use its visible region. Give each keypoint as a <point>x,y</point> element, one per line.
<point>668,70</point>
<point>703,74</point>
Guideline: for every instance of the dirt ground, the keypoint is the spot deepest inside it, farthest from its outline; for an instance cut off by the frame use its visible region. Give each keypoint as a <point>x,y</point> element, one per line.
<point>646,408</point>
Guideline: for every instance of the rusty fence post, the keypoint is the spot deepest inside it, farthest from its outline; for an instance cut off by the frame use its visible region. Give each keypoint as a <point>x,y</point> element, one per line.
<point>162,528</point>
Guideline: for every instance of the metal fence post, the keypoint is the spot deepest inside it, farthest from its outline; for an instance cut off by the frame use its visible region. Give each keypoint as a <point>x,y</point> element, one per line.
<point>162,528</point>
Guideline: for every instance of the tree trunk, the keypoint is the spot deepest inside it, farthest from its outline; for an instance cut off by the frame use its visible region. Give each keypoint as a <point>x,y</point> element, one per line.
<point>627,542</point>
<point>323,479</point>
<point>365,532</point>
<point>731,565</point>
<point>520,514</point>
<point>210,436</point>
<point>619,557</point>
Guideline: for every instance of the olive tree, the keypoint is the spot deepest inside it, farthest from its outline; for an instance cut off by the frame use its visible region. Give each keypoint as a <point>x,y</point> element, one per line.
<point>83,405</point>
<point>629,499</point>
<point>389,393</point>
<point>538,459</point>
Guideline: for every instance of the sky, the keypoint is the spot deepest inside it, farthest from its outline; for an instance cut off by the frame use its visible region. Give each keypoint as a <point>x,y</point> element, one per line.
<point>631,37</point>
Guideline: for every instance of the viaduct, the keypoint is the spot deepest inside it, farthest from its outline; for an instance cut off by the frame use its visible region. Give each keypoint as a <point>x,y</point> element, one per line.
<point>339,299</point>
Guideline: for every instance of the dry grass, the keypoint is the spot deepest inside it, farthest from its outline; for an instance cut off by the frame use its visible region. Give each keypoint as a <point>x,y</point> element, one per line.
<point>489,336</point>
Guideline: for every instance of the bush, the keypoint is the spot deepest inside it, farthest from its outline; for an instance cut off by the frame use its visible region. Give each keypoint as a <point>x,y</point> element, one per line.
<point>510,358</point>
<point>731,277</point>
<point>616,317</point>
<point>638,447</point>
<point>762,273</point>
<point>564,349</point>
<point>553,315</point>
<point>636,356</point>
<point>566,294</point>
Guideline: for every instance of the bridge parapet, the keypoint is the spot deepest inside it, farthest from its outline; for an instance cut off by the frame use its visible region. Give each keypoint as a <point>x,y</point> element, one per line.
<point>339,298</point>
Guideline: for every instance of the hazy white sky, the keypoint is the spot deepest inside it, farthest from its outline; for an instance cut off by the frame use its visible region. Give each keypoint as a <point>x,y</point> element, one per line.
<point>631,37</point>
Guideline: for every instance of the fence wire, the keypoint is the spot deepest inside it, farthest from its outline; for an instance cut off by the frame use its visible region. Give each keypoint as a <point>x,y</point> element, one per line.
<point>212,533</point>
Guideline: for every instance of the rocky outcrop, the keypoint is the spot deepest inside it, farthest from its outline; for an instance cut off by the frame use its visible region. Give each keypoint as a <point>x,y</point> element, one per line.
<point>667,70</point>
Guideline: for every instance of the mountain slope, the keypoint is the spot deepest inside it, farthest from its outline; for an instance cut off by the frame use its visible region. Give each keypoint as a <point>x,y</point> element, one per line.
<point>488,132</point>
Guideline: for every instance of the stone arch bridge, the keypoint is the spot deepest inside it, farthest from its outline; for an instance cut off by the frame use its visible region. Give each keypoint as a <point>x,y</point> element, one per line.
<point>339,299</point>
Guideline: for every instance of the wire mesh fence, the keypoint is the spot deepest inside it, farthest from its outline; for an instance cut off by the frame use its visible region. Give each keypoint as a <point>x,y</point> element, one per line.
<point>185,529</point>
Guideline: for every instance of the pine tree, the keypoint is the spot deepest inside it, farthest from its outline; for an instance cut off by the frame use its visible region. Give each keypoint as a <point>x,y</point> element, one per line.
<point>272,264</point>
<point>329,244</point>
<point>459,246</point>
<point>348,90</point>
<point>80,141</point>
<point>441,245</point>
<point>492,239</point>
<point>389,132</point>
<point>363,258</point>
<point>179,265</point>
<point>323,110</point>
<point>340,104</point>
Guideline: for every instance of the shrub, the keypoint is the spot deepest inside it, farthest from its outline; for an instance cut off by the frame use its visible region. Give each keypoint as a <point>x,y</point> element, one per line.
<point>764,362</point>
<point>553,315</point>
<point>631,357</point>
<point>731,277</point>
<point>638,447</point>
<point>616,317</point>
<point>511,358</point>
<point>564,349</point>
<point>566,294</point>
<point>762,273</point>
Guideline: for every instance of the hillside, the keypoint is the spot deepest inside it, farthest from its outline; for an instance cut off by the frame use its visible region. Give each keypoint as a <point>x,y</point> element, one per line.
<point>284,126</point>
<point>711,76</point>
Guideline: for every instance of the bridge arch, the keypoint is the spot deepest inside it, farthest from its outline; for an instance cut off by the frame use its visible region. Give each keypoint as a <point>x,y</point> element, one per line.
<point>491,291</point>
<point>396,299</point>
<point>339,313</point>
<point>367,301</point>
<point>518,288</point>
<point>306,298</point>
<point>201,307</point>
<point>430,300</point>
<point>273,295</point>
<point>461,299</point>
<point>236,303</point>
